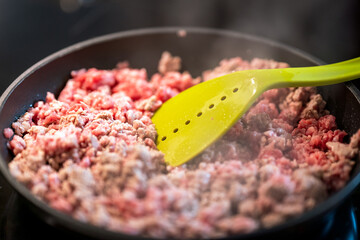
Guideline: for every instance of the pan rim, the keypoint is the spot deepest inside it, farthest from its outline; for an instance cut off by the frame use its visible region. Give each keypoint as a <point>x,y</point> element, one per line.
<point>85,228</point>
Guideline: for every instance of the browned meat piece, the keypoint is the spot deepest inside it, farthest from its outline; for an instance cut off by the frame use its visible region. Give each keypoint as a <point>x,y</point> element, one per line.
<point>169,63</point>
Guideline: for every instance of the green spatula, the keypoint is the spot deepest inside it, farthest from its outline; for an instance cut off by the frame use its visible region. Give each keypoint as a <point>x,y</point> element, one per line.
<point>194,119</point>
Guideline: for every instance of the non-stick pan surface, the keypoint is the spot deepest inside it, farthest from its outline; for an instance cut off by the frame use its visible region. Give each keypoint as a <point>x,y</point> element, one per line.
<point>200,49</point>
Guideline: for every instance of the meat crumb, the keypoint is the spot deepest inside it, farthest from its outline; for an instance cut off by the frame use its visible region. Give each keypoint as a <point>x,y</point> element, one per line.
<point>8,133</point>
<point>168,63</point>
<point>182,33</point>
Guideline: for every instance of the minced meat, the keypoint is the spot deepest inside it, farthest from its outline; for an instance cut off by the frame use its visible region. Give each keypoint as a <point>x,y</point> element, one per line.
<point>91,154</point>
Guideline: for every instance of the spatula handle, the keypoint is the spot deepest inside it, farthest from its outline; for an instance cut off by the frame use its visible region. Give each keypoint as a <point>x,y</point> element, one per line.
<point>320,75</point>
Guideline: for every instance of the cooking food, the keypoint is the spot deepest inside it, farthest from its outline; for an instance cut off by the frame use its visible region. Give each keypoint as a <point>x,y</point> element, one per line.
<point>196,118</point>
<point>90,153</point>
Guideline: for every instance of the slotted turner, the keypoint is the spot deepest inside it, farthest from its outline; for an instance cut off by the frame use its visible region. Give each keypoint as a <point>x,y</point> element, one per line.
<point>194,119</point>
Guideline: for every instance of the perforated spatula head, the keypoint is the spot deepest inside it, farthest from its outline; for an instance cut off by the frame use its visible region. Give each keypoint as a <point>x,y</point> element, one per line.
<point>194,119</point>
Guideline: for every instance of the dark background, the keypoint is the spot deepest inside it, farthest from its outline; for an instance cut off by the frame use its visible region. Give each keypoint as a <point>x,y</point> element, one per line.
<point>31,30</point>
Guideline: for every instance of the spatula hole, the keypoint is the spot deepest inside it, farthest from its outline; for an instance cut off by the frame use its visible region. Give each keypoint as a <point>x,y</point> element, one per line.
<point>176,130</point>
<point>235,90</point>
<point>199,114</point>
<point>223,98</point>
<point>211,106</point>
<point>187,122</point>
<point>163,138</point>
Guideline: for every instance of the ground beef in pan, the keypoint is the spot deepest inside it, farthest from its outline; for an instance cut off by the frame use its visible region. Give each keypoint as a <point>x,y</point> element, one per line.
<point>91,154</point>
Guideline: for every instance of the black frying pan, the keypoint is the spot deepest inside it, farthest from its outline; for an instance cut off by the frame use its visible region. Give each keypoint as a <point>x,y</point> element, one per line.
<point>201,49</point>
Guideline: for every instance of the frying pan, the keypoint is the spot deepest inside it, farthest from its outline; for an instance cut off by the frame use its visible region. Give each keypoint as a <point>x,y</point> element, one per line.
<point>200,49</point>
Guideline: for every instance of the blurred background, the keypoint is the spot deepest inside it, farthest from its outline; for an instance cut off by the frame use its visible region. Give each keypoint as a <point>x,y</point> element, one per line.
<point>31,30</point>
